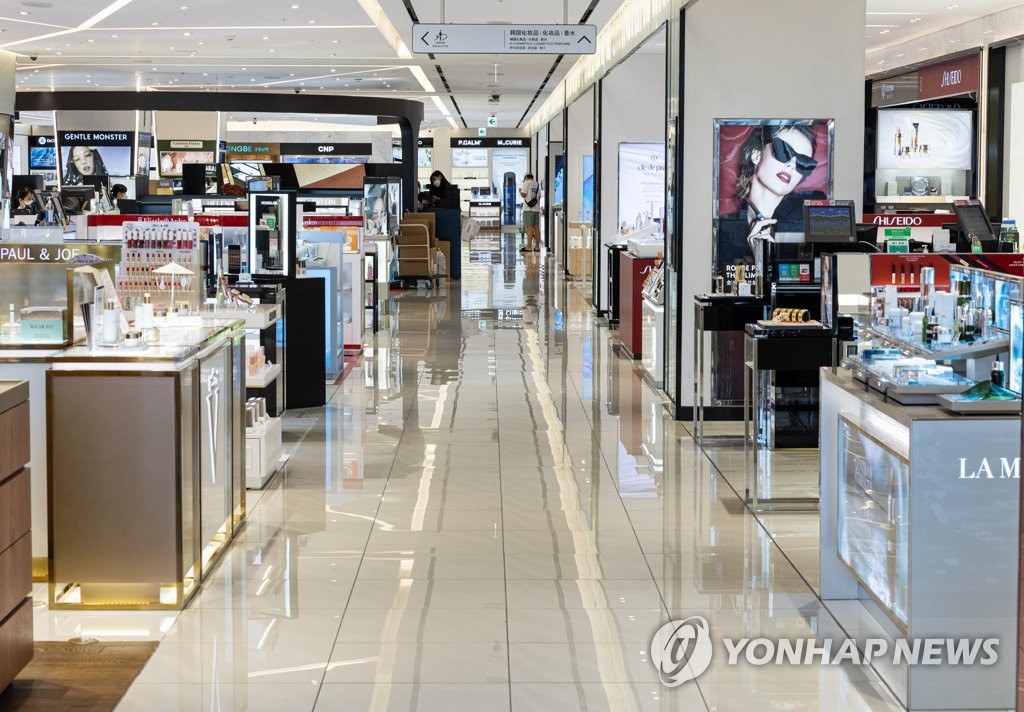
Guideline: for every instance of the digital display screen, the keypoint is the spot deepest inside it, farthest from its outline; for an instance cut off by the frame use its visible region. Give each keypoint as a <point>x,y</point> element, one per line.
<point>925,139</point>
<point>42,157</point>
<point>874,517</point>
<point>973,221</point>
<point>828,223</point>
<point>1015,374</point>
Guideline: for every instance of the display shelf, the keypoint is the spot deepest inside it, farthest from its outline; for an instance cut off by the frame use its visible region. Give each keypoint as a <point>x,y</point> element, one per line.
<point>270,373</point>
<point>951,352</point>
<point>263,452</point>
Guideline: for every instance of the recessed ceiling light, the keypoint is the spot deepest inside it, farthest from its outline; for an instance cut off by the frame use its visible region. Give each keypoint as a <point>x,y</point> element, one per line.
<point>154,24</point>
<point>265,37</point>
<point>272,49</point>
<point>916,19</point>
<point>183,7</point>
<point>884,32</point>
<point>921,49</point>
<point>114,36</point>
<point>24,12</point>
<point>187,34</point>
<point>200,43</point>
<point>952,7</point>
<point>311,22</point>
<point>333,70</point>
<point>87,40</point>
<point>295,7</point>
<point>205,74</point>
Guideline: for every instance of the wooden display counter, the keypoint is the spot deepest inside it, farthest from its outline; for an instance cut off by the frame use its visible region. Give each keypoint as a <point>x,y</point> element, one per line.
<point>15,537</point>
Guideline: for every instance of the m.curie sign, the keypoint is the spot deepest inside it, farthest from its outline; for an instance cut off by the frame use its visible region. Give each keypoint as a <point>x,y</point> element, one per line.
<point>504,39</point>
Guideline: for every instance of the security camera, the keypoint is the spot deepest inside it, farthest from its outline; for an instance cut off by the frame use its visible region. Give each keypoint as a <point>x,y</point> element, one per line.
<point>297,90</point>
<point>495,97</point>
<point>254,121</point>
<point>33,57</point>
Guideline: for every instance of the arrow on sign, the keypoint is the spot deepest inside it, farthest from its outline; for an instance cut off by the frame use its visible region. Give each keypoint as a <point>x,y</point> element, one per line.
<point>583,38</point>
<point>423,39</point>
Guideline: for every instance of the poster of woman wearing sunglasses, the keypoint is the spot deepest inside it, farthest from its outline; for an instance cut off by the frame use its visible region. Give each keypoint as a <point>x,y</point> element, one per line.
<point>765,171</point>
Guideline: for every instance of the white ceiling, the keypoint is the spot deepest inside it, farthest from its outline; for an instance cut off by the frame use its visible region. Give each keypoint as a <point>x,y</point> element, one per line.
<point>336,46</point>
<point>892,22</point>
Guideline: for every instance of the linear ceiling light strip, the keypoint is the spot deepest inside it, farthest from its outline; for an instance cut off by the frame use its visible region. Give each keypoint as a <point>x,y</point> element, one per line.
<point>554,65</point>
<point>437,67</point>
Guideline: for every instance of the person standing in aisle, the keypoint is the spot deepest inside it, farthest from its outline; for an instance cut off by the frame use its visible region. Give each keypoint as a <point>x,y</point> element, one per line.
<point>531,213</point>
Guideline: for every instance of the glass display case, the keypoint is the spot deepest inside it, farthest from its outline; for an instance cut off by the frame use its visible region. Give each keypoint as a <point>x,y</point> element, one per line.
<point>874,525</point>
<point>41,301</point>
<point>273,221</point>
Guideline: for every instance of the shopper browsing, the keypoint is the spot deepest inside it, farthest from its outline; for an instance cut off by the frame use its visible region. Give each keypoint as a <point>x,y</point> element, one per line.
<point>530,192</point>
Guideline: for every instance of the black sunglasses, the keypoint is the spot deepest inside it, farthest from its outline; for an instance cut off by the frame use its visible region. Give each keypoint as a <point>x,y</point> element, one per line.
<point>784,153</point>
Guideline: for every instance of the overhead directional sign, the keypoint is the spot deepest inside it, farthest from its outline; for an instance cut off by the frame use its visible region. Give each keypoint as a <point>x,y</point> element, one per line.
<point>504,39</point>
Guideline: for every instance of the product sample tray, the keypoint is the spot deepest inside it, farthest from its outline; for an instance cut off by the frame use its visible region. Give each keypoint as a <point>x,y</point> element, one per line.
<point>959,403</point>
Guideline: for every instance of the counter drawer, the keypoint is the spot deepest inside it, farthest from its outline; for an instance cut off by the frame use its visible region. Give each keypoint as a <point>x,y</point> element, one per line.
<point>14,444</point>
<point>15,574</point>
<point>15,508</point>
<point>15,642</point>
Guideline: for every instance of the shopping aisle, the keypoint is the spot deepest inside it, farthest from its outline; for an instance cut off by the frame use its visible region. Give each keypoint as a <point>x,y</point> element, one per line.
<point>491,513</point>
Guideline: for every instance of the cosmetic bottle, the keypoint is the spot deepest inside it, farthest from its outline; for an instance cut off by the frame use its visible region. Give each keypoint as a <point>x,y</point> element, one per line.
<point>111,322</point>
<point>144,312</point>
<point>998,376</point>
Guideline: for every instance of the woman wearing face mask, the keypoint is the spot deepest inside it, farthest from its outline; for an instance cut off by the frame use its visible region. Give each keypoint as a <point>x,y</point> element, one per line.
<point>434,196</point>
<point>774,161</point>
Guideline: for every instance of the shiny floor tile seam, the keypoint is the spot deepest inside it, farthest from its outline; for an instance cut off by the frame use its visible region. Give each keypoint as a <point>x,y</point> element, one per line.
<point>596,445</point>
<point>748,511</point>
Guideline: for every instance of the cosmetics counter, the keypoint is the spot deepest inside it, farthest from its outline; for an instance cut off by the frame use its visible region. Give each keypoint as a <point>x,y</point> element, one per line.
<point>139,522</point>
<point>919,457</point>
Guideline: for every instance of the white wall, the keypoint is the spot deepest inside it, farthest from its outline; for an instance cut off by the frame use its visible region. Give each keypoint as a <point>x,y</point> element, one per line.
<point>1013,135</point>
<point>741,69</point>
<point>580,141</point>
<point>628,116</point>
<point>8,62</point>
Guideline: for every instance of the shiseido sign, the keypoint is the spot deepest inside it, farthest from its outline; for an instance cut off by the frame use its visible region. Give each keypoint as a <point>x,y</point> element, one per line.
<point>956,76</point>
<point>935,220</point>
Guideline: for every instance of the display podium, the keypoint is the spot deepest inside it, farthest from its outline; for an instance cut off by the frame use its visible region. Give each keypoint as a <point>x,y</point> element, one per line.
<point>917,533</point>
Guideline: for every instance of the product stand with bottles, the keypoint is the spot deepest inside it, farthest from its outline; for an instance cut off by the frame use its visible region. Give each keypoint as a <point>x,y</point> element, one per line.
<point>919,452</point>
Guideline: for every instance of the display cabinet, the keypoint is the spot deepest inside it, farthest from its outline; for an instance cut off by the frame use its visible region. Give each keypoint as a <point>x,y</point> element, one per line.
<point>134,526</point>
<point>273,222</point>
<point>15,532</point>
<point>919,528</point>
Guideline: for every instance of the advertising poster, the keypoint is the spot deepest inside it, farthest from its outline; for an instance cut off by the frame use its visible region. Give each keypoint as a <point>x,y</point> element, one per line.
<point>426,157</point>
<point>925,139</point>
<point>173,154</point>
<point>375,212</point>
<point>469,158</point>
<point>42,153</point>
<point>95,153</point>
<point>588,186</point>
<point>641,185</point>
<point>559,180</point>
<point>764,171</point>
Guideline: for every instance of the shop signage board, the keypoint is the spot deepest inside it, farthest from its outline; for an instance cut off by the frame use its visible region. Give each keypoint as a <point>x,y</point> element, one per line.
<point>41,252</point>
<point>490,142</point>
<point>951,77</point>
<point>897,240</point>
<point>503,39</point>
<point>935,220</point>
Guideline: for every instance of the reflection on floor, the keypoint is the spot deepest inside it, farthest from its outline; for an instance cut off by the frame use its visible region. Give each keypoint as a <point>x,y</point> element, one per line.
<point>491,513</point>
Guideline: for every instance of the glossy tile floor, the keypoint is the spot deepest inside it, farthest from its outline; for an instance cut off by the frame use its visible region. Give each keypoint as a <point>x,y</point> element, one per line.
<point>491,513</point>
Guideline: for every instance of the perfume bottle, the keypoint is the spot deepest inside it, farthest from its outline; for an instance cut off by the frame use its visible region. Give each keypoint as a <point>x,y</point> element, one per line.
<point>899,141</point>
